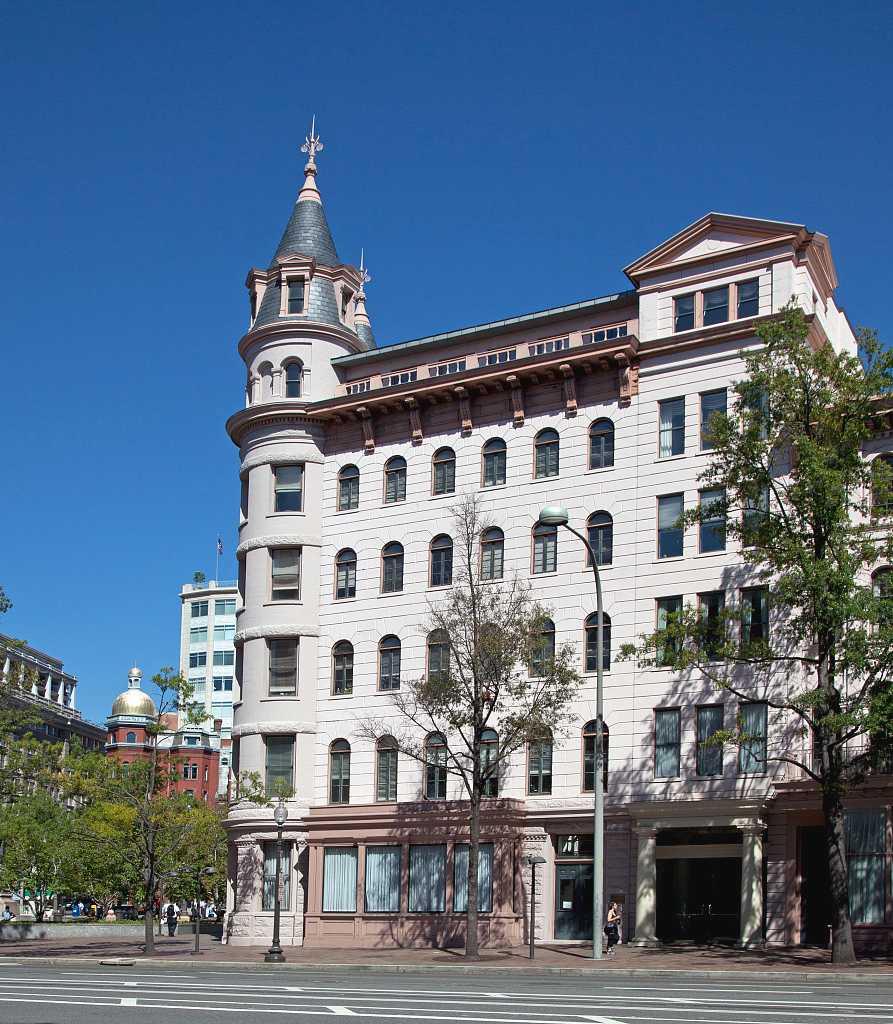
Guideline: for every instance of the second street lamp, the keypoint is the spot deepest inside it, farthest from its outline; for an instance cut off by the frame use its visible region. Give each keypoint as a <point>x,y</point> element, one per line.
<point>557,515</point>
<point>274,954</point>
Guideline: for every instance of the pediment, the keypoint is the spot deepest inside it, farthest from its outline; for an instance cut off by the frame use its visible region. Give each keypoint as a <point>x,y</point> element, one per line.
<point>715,234</point>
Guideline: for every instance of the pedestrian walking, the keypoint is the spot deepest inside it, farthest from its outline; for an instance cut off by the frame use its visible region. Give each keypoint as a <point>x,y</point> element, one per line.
<point>612,928</point>
<point>171,917</point>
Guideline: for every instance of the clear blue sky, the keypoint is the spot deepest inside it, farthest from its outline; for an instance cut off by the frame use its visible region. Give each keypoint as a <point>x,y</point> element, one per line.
<point>493,160</point>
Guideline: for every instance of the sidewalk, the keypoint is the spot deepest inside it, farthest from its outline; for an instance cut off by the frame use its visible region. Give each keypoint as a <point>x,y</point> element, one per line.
<point>571,958</point>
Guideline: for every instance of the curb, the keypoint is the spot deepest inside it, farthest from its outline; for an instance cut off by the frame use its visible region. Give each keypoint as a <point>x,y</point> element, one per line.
<point>884,976</point>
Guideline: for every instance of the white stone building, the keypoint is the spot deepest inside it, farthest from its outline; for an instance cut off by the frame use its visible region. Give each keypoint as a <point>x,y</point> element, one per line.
<point>208,656</point>
<point>351,456</point>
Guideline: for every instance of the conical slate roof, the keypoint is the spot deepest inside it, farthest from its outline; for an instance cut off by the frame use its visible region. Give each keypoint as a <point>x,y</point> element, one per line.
<point>307,233</point>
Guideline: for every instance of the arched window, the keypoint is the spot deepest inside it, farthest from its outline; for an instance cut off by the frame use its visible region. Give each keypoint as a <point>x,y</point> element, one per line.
<point>489,766</point>
<point>130,737</point>
<point>438,654</point>
<point>389,663</point>
<point>545,548</point>
<point>882,484</point>
<point>339,772</point>
<point>342,667</point>
<point>601,444</point>
<point>589,738</point>
<point>441,568</point>
<point>293,374</point>
<point>444,481</point>
<point>386,769</point>
<point>544,653</point>
<point>266,381</point>
<point>545,450</point>
<point>435,767</point>
<point>539,765</point>
<point>493,469</point>
<point>492,553</point>
<point>592,641</point>
<point>348,488</point>
<point>392,567</point>
<point>395,479</point>
<point>345,574</point>
<point>600,527</point>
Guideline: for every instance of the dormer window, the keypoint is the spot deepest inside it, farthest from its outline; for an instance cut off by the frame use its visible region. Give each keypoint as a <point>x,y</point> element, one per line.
<point>749,298</point>
<point>296,295</point>
<point>345,304</point>
<point>716,306</point>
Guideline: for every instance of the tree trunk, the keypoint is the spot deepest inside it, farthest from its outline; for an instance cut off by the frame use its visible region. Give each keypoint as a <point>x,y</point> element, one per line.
<point>474,853</point>
<point>147,915</point>
<point>842,950</point>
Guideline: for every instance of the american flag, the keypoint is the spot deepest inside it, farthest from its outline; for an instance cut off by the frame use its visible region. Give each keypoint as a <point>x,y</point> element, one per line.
<point>219,546</point>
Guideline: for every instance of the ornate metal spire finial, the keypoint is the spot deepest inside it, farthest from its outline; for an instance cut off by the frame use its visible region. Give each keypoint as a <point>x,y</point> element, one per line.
<point>312,145</point>
<point>364,273</point>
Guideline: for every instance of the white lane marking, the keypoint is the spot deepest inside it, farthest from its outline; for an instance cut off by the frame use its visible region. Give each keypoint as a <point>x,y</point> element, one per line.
<point>130,984</point>
<point>602,1020</point>
<point>128,1002</point>
<point>341,1011</point>
<point>778,990</point>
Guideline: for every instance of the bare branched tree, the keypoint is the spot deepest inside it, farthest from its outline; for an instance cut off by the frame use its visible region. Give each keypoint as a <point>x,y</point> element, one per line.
<point>492,665</point>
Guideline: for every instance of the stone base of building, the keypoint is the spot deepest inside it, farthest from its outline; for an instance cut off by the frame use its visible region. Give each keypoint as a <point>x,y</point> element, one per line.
<point>427,931</point>
<point>256,929</point>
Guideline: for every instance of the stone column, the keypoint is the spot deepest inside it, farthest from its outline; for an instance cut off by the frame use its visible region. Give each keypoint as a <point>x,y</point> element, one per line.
<point>534,843</point>
<point>752,885</point>
<point>646,887</point>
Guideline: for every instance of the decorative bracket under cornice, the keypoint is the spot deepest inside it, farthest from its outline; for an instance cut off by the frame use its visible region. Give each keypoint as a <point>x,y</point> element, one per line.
<point>368,435</point>
<point>569,387</point>
<point>517,400</point>
<point>627,378</point>
<point>415,420</point>
<point>464,400</point>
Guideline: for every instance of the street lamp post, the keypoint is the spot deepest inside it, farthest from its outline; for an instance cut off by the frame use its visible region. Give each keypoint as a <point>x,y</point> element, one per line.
<point>533,860</point>
<point>198,913</point>
<point>557,515</point>
<point>274,954</point>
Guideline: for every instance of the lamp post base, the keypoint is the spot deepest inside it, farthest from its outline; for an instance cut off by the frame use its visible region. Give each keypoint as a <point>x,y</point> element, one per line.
<point>274,955</point>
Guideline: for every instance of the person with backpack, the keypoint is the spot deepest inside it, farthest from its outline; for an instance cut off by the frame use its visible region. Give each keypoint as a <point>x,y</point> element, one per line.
<point>171,917</point>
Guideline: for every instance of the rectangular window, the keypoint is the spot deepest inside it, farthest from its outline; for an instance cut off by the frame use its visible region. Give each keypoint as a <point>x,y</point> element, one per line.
<point>382,879</point>
<point>666,608</point>
<point>748,298</point>
<point>443,369</point>
<point>339,880</point>
<point>393,380</point>
<point>286,574</point>
<point>716,306</point>
<point>427,879</point>
<point>485,878</point>
<point>386,785</point>
<point>712,527</point>
<point>752,747</point>
<point>683,313</point>
<point>198,660</point>
<point>667,726</point>
<point>671,434</point>
<point>225,607</point>
<point>358,387</point>
<point>755,515</point>
<point>544,348</point>
<point>604,334</point>
<point>269,896</point>
<point>754,616</point>
<point>865,845</point>
<point>545,551</point>
<point>507,355</point>
<point>243,498</point>
<point>288,488</point>
<point>709,724</point>
<point>199,609</point>
<point>279,767</point>
<point>198,635</point>
<point>296,295</point>
<point>222,658</point>
<point>283,667</point>
<point>713,403</point>
<point>224,632</point>
<point>223,684</point>
<point>539,767</point>
<point>713,630</point>
<point>669,526</point>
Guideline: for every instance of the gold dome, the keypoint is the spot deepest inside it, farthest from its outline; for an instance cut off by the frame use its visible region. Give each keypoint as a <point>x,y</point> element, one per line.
<point>134,702</point>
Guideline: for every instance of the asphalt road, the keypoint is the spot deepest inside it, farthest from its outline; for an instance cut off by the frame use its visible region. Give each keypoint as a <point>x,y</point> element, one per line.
<point>33,994</point>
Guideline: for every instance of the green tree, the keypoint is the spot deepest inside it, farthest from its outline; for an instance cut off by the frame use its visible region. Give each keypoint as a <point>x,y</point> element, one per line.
<point>496,668</point>
<point>103,866</point>
<point>793,484</point>
<point>36,835</point>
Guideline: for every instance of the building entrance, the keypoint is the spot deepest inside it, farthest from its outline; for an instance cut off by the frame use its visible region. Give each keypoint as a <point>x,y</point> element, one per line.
<point>699,899</point>
<point>573,901</point>
<point>815,888</point>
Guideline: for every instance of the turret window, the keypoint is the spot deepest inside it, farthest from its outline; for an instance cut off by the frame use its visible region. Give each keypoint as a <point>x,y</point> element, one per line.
<point>288,487</point>
<point>296,295</point>
<point>293,380</point>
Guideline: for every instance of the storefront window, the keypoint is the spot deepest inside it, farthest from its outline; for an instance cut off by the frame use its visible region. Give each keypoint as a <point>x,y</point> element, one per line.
<point>427,879</point>
<point>382,879</point>
<point>339,880</point>
<point>485,878</point>
<point>865,860</point>
<point>269,895</point>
